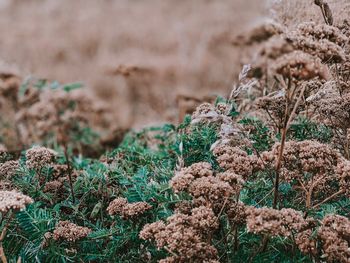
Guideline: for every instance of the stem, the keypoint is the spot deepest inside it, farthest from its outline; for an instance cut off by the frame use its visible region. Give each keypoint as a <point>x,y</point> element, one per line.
<point>69,173</point>
<point>328,198</point>
<point>287,121</point>
<point>2,237</point>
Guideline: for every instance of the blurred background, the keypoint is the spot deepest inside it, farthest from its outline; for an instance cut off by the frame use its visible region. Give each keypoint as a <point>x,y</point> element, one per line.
<point>140,59</point>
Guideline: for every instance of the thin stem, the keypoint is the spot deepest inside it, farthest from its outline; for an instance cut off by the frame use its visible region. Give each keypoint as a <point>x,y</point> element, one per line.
<point>2,237</point>
<point>69,173</point>
<point>328,198</point>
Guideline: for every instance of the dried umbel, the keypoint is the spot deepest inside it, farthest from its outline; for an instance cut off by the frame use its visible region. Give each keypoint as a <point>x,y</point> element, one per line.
<point>343,171</point>
<point>335,236</point>
<point>234,180</point>
<point>38,157</point>
<point>185,236</point>
<point>8,169</point>
<point>53,186</point>
<point>274,105</point>
<point>13,201</point>
<point>274,222</point>
<point>210,191</point>
<point>300,66</point>
<point>309,164</point>
<point>207,113</point>
<point>182,179</point>
<point>70,232</point>
<point>125,210</point>
<point>306,243</point>
<point>324,49</point>
<point>335,111</point>
<point>323,31</point>
<point>236,160</point>
<point>236,212</point>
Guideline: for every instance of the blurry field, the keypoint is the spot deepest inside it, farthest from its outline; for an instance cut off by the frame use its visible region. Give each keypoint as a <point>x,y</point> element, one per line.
<point>168,47</point>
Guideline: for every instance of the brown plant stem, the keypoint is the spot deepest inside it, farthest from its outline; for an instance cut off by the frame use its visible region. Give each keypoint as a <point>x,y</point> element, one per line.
<point>69,173</point>
<point>287,121</point>
<point>328,198</point>
<point>2,237</point>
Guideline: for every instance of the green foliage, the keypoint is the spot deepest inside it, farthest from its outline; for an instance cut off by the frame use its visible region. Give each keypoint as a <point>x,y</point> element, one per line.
<point>140,170</point>
<point>259,134</point>
<point>304,129</point>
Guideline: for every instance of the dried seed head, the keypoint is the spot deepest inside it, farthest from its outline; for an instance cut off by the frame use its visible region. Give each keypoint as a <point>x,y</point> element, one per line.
<point>300,66</point>
<point>182,179</point>
<point>275,222</point>
<point>38,157</point>
<point>125,210</point>
<point>335,235</point>
<point>70,232</point>
<point>13,200</point>
<point>8,169</point>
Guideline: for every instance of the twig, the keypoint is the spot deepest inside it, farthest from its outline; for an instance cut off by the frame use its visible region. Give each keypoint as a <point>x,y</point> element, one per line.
<point>328,198</point>
<point>69,173</point>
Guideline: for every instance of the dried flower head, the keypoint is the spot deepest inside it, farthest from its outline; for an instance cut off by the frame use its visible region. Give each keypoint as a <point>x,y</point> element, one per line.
<point>343,171</point>
<point>38,157</point>
<point>13,200</point>
<point>70,232</point>
<point>306,242</point>
<point>323,31</point>
<point>335,236</point>
<point>236,160</point>
<point>274,222</point>
<point>335,111</point>
<point>182,179</point>
<point>234,180</point>
<point>324,49</point>
<point>53,186</point>
<point>308,164</point>
<point>185,236</point>
<point>125,210</point>
<point>300,66</point>
<point>236,212</point>
<point>8,169</point>
<point>211,189</point>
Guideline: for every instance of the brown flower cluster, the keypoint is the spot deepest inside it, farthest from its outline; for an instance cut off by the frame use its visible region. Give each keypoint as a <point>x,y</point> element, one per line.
<point>125,210</point>
<point>38,157</point>
<point>236,160</point>
<point>343,171</point>
<point>53,186</point>
<point>335,236</point>
<point>8,169</point>
<point>183,179</point>
<point>274,222</point>
<point>206,188</point>
<point>274,105</point>
<point>206,112</point>
<point>54,112</point>
<point>308,164</point>
<point>299,65</point>
<point>306,243</point>
<point>321,40</point>
<point>70,232</point>
<point>299,54</point>
<point>186,237</point>
<point>13,200</point>
<point>323,31</point>
<point>335,111</point>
